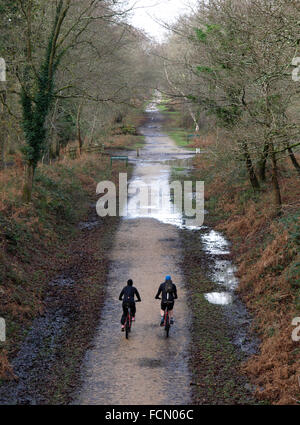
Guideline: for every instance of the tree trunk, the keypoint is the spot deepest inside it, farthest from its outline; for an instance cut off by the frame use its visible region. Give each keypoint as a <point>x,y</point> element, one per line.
<point>3,119</point>
<point>263,162</point>
<point>252,176</point>
<point>54,144</point>
<point>28,185</point>
<point>57,147</point>
<point>80,141</point>
<point>92,131</point>
<point>2,159</point>
<point>275,180</point>
<point>193,116</point>
<point>294,160</point>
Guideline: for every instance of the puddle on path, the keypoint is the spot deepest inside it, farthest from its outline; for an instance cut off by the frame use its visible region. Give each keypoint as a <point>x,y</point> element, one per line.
<point>221,298</point>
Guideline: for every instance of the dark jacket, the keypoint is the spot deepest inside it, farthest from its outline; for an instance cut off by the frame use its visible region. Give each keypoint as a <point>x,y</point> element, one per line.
<point>128,293</point>
<point>167,296</point>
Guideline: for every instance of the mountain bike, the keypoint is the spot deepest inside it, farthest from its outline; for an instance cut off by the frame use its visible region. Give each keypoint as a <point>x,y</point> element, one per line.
<point>167,318</point>
<point>128,320</point>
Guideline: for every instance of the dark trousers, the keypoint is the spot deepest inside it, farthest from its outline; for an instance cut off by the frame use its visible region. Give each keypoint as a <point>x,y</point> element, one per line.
<point>125,311</point>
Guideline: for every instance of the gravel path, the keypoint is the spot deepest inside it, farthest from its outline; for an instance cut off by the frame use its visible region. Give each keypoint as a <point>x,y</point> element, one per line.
<point>147,368</point>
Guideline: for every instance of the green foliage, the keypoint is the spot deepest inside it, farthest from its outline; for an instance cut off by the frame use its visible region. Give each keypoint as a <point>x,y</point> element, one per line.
<point>293,274</point>
<point>180,137</point>
<point>291,223</point>
<point>53,200</point>
<point>128,129</point>
<point>66,125</point>
<point>247,194</point>
<point>212,28</point>
<point>34,117</point>
<point>192,97</point>
<point>205,69</point>
<point>201,35</point>
<point>227,115</point>
<point>15,234</point>
<point>8,7</point>
<point>36,108</point>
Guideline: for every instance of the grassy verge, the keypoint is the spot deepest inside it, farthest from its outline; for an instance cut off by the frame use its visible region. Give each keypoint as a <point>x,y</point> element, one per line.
<point>214,360</point>
<point>125,142</point>
<point>183,137</point>
<point>164,105</point>
<point>38,242</point>
<point>266,250</point>
<point>125,135</point>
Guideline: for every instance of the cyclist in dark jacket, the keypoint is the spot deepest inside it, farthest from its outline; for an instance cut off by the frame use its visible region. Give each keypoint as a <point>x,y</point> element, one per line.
<point>127,296</point>
<point>169,294</point>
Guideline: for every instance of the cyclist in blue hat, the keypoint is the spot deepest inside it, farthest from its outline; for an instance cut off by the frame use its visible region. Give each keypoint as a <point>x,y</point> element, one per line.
<point>169,294</point>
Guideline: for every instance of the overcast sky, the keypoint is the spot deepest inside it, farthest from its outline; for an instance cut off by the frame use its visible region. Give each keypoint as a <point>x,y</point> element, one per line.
<point>147,11</point>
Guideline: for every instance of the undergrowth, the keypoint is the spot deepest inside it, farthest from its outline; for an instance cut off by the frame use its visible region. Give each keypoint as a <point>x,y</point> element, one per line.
<point>34,236</point>
<point>266,249</point>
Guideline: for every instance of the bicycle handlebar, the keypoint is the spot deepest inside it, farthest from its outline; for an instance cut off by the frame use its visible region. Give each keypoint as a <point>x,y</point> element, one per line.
<point>137,301</point>
<point>167,301</point>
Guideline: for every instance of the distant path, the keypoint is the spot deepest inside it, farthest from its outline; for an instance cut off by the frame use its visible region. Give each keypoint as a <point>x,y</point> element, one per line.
<point>147,368</point>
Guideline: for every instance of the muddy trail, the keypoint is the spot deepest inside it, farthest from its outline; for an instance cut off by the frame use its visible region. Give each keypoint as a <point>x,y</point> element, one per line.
<point>148,246</point>
<point>146,249</point>
<point>149,243</point>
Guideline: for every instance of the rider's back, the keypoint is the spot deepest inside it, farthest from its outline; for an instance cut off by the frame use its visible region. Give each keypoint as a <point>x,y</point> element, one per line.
<point>168,291</point>
<point>128,294</point>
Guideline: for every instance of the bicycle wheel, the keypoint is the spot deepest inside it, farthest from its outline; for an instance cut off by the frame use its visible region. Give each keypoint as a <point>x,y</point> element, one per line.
<point>167,325</point>
<point>127,327</point>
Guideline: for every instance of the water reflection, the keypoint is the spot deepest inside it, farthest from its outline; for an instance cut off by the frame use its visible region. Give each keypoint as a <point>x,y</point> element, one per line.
<point>159,205</point>
<point>224,274</point>
<point>158,159</point>
<point>215,243</point>
<point>154,168</point>
<point>220,298</point>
